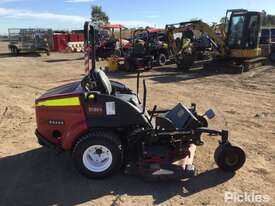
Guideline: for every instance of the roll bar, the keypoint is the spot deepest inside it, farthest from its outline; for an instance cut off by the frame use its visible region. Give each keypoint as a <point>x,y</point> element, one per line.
<point>144,96</point>
<point>141,30</point>
<point>89,41</point>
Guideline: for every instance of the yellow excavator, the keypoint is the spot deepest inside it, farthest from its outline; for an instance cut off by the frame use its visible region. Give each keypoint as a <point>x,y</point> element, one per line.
<point>185,45</point>
<point>237,48</point>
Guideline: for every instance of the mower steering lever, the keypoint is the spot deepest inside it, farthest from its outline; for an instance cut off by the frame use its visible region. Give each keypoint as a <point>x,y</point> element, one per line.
<point>212,132</point>
<point>144,95</point>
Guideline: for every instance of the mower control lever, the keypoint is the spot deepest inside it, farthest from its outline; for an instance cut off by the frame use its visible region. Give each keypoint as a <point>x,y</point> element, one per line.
<point>153,112</point>
<point>144,96</point>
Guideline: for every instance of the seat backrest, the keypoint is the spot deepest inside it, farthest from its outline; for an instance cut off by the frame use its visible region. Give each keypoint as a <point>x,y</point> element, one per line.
<point>102,82</point>
<point>181,116</point>
<point>139,49</point>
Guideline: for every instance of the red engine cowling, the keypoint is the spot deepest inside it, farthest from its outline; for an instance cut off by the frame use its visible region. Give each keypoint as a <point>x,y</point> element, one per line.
<point>60,117</point>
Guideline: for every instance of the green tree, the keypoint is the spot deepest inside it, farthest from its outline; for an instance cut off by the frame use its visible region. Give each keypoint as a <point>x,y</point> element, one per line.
<point>98,16</point>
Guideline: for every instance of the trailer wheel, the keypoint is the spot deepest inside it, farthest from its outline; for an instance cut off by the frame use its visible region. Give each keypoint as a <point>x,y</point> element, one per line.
<point>14,50</point>
<point>162,59</point>
<point>229,158</point>
<point>98,154</point>
<point>272,57</point>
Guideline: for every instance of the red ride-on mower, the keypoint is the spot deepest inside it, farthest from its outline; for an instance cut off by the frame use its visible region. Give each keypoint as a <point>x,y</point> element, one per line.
<point>105,126</point>
<point>139,57</point>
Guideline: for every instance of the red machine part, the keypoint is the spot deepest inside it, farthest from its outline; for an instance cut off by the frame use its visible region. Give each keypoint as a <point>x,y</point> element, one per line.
<point>60,42</point>
<point>76,37</point>
<point>186,154</point>
<point>113,26</point>
<point>73,37</point>
<point>61,125</point>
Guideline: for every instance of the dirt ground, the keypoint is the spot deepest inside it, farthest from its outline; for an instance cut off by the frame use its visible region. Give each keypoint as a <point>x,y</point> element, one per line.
<point>31,175</point>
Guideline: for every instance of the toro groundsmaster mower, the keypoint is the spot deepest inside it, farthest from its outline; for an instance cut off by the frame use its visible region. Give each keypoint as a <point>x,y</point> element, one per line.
<point>149,48</point>
<point>139,57</point>
<point>107,127</point>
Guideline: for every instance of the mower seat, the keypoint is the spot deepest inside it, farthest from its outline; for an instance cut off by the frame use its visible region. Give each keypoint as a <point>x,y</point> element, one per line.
<point>103,83</point>
<point>139,50</point>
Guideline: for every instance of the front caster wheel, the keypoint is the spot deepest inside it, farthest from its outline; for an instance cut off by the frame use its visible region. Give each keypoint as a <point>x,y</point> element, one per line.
<point>229,158</point>
<point>98,154</point>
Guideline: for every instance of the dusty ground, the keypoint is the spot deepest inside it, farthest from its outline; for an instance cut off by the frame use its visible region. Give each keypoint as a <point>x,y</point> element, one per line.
<point>31,175</point>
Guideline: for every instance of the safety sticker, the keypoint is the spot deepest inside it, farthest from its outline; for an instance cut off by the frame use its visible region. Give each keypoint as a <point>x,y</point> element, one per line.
<point>110,108</point>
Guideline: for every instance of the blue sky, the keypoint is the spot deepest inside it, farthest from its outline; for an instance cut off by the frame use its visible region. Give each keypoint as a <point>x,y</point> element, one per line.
<point>70,14</point>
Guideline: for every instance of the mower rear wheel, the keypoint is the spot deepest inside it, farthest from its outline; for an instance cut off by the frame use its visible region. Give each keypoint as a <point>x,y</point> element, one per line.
<point>149,65</point>
<point>98,154</point>
<point>229,158</point>
<point>185,63</point>
<point>162,59</point>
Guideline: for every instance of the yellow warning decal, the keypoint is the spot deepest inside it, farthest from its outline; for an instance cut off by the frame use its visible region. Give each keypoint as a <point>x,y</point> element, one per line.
<point>70,101</point>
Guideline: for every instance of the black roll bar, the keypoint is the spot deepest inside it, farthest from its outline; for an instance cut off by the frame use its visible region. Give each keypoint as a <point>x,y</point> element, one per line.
<point>89,40</point>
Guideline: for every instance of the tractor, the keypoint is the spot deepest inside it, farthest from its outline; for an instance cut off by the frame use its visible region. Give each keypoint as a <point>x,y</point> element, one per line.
<point>107,44</point>
<point>106,127</point>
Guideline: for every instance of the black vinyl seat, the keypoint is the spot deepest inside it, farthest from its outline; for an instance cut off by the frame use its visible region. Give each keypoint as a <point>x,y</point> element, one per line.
<point>103,83</point>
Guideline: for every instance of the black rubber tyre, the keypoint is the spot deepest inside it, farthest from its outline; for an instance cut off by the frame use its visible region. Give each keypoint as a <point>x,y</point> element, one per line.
<point>14,51</point>
<point>272,57</point>
<point>149,65</point>
<point>183,67</point>
<point>162,59</point>
<point>117,53</point>
<point>229,158</point>
<point>99,138</point>
<point>185,63</point>
<point>246,67</point>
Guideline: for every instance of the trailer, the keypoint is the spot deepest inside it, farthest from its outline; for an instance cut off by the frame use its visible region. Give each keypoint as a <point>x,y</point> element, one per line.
<point>30,40</point>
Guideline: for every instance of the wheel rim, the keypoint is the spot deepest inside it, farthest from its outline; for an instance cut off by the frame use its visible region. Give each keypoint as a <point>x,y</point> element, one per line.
<point>97,158</point>
<point>232,160</point>
<point>162,60</point>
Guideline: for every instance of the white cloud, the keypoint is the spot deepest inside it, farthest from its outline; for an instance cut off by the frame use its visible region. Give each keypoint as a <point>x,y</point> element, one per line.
<point>6,13</point>
<point>79,1</point>
<point>14,13</point>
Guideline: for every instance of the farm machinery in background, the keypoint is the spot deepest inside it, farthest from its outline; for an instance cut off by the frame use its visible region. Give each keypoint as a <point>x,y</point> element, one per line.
<point>30,40</point>
<point>190,41</point>
<point>239,49</point>
<point>109,42</point>
<point>148,48</point>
